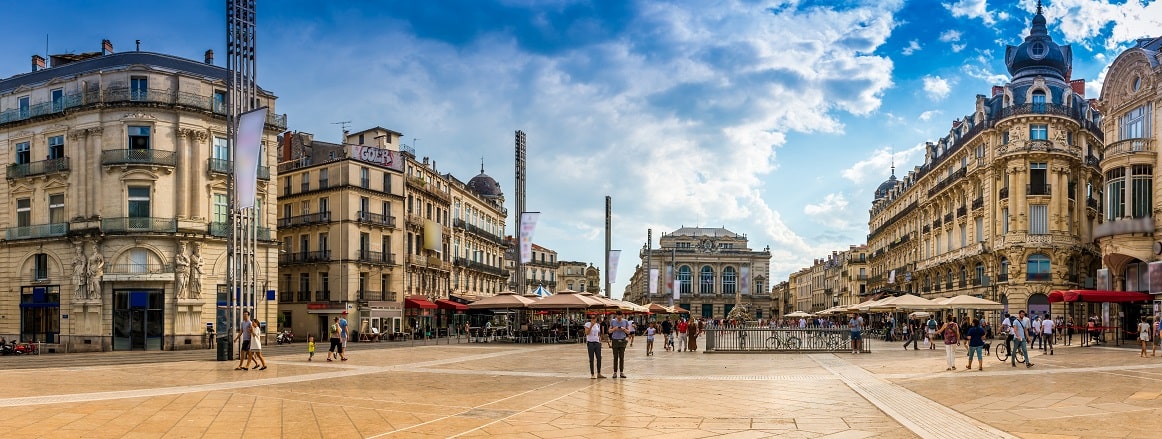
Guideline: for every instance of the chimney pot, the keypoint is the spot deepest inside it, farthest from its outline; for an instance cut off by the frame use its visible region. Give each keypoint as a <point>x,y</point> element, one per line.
<point>106,47</point>
<point>37,63</point>
<point>210,56</point>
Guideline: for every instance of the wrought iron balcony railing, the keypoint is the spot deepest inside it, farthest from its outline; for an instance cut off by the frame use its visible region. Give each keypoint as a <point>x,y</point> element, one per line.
<point>300,220</point>
<point>305,257</point>
<point>38,168</point>
<point>375,218</point>
<point>375,257</point>
<point>151,157</point>
<point>1038,189</point>
<point>139,225</point>
<point>223,166</point>
<point>39,231</point>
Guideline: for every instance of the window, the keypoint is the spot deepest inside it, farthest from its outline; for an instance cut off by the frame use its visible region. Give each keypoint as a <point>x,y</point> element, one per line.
<point>980,229</point>
<point>1005,137</point>
<point>978,272</point>
<point>40,266</point>
<point>1038,132</point>
<point>1141,190</point>
<point>324,208</point>
<point>1039,102</point>
<point>22,102</point>
<point>24,212</point>
<point>305,245</point>
<point>305,282</point>
<point>323,244</point>
<point>138,202</point>
<point>1135,124</point>
<point>138,137</point>
<point>23,153</point>
<point>706,281</point>
<point>305,184</point>
<point>323,179</point>
<point>1038,219</point>
<point>219,102</point>
<point>56,147</point>
<point>1038,179</point>
<point>729,281</point>
<point>1005,220</point>
<point>56,208</point>
<point>138,88</point>
<point>138,261</point>
<point>387,182</point>
<point>1003,276</point>
<point>364,178</point>
<point>221,149</point>
<point>963,236</point>
<point>221,209</point>
<point>1038,267</point>
<point>683,280</point>
<point>58,100</point>
<point>1115,193</point>
<point>364,207</point>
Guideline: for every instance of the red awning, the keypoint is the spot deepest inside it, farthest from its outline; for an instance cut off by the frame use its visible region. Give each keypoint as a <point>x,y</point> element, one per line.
<point>1098,296</point>
<point>418,302</point>
<point>448,304</point>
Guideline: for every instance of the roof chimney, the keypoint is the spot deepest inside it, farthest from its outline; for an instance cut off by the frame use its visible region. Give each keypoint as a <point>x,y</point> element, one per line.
<point>37,63</point>
<point>210,56</point>
<point>106,47</point>
<point>997,89</point>
<point>1078,86</point>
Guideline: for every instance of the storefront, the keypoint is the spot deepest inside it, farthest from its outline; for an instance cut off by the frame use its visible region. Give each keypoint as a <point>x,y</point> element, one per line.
<point>419,313</point>
<point>40,314</point>
<point>452,316</point>
<point>138,320</point>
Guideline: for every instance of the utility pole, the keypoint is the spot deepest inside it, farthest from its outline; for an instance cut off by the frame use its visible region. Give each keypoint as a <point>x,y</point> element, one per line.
<point>608,230</point>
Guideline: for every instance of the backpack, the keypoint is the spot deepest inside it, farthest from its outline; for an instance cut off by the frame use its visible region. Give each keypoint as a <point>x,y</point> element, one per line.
<point>932,324</point>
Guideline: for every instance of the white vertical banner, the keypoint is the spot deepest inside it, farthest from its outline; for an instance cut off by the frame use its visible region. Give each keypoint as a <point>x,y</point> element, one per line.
<point>892,277</point>
<point>653,281</point>
<point>528,224</point>
<point>614,255</point>
<point>247,154</point>
<point>670,281</point>
<point>744,280</point>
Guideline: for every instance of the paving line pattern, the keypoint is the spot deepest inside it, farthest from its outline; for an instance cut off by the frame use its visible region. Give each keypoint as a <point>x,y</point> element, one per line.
<point>923,416</point>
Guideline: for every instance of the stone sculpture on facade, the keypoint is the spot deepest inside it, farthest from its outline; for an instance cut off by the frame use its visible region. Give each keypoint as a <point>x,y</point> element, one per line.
<point>196,264</point>
<point>79,292</point>
<point>181,265</point>
<point>95,270</point>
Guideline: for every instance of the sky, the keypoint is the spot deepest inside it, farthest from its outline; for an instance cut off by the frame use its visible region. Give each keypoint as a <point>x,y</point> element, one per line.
<point>775,119</point>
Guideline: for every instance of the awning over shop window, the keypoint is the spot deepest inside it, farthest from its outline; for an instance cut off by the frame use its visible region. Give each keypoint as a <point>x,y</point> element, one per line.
<point>448,304</point>
<point>418,302</point>
<point>1098,296</point>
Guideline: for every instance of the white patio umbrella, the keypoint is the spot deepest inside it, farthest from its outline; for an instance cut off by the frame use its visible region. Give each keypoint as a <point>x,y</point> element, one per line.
<point>797,314</point>
<point>968,302</point>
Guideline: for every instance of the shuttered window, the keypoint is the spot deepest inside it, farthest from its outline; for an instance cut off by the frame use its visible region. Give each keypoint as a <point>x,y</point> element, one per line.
<point>1038,219</point>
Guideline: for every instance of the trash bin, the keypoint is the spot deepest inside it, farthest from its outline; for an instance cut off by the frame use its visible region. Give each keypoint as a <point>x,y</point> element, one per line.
<point>225,349</point>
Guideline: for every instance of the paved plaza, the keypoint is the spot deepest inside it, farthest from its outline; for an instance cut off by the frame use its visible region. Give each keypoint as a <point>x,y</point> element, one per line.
<point>544,391</point>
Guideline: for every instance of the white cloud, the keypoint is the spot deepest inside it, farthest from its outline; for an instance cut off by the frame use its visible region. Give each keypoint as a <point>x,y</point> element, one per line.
<point>950,35</point>
<point>928,115</point>
<point>970,9</point>
<point>936,87</point>
<point>1083,21</point>
<point>830,211</point>
<point>913,46</point>
<point>958,47</point>
<point>877,168</point>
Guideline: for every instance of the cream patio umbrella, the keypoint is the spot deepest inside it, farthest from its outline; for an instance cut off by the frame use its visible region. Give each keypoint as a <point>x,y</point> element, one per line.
<point>568,300</point>
<point>968,302</point>
<point>504,300</point>
<point>797,314</point>
<point>906,301</point>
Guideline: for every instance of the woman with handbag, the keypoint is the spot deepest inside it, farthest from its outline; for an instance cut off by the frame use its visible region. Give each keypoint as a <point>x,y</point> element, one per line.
<point>950,331</point>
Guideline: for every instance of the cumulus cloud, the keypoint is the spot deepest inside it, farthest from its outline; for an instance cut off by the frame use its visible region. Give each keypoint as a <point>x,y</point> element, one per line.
<point>950,35</point>
<point>912,47</point>
<point>971,9</point>
<point>928,115</point>
<point>831,210</point>
<point>1085,21</point>
<point>936,87</point>
<point>877,167</point>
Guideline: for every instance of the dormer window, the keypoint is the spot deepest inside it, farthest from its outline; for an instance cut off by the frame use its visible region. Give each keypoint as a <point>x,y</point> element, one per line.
<point>1039,101</point>
<point>1038,50</point>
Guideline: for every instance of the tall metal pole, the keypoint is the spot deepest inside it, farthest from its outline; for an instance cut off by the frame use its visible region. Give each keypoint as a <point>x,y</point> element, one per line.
<point>608,230</point>
<point>648,273</point>
<point>519,162</point>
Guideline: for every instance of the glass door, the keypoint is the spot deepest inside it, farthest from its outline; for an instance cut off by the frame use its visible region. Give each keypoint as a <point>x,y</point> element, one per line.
<point>138,320</point>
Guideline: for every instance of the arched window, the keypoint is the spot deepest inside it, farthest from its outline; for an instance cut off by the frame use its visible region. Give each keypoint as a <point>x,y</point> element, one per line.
<point>963,276</point>
<point>1003,276</point>
<point>728,281</point>
<point>978,273</point>
<point>684,286</point>
<point>1038,268</point>
<point>706,280</point>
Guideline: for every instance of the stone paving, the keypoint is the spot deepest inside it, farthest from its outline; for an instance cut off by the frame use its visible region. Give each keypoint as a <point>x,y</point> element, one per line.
<point>544,391</point>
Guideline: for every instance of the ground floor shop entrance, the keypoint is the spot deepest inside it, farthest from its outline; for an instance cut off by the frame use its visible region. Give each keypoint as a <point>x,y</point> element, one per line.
<point>138,320</point>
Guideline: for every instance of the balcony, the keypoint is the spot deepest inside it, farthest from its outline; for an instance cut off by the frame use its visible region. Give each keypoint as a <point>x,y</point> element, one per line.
<point>927,228</point>
<point>322,296</point>
<point>40,231</point>
<point>302,220</point>
<point>375,218</point>
<point>961,211</point>
<point>480,266</point>
<point>139,225</point>
<point>375,257</point>
<point>1003,194</point>
<point>222,230</point>
<point>1002,277</point>
<point>477,231</point>
<point>371,295</point>
<point>1130,146</point>
<point>123,96</point>
<point>948,218</point>
<point>1038,189</point>
<point>223,166</point>
<point>42,167</point>
<point>1092,204</point>
<point>303,296</point>
<point>1092,161</point>
<point>305,257</point>
<point>978,203</point>
<point>138,268</point>
<point>138,157</point>
<point>1038,277</point>
<point>953,178</point>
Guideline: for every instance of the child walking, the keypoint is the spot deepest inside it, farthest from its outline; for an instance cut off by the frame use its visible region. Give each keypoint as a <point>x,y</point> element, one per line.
<point>310,347</point>
<point>650,331</point>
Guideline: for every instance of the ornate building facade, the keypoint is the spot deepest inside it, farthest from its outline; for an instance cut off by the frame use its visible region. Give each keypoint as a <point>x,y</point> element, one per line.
<point>1129,236</point>
<point>708,267</point>
<point>478,215</point>
<point>579,276</point>
<point>541,270</point>
<point>428,229</point>
<point>1005,205</point>
<point>117,185</point>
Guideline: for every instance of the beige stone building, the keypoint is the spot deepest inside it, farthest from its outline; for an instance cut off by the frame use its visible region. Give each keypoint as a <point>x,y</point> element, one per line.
<point>784,301</point>
<point>541,270</point>
<point>579,276</point>
<point>708,266</point>
<point>115,234</point>
<point>1005,205</point>
<point>478,216</point>
<point>1129,236</point>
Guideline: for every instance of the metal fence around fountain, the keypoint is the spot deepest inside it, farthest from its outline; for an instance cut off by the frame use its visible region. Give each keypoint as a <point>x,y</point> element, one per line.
<point>761,339</point>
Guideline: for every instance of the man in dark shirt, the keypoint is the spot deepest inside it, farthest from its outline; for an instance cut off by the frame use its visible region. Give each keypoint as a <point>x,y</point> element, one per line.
<point>667,333</point>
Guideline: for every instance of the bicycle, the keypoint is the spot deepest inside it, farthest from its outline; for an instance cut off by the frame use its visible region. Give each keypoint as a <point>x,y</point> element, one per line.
<point>787,342</point>
<point>1003,353</point>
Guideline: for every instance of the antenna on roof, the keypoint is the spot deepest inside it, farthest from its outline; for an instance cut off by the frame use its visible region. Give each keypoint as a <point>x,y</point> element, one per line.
<point>343,125</point>
<point>481,164</point>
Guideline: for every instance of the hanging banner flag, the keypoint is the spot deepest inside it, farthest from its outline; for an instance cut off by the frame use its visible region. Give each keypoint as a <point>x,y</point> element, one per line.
<point>744,280</point>
<point>653,281</point>
<point>528,223</point>
<point>892,277</point>
<point>433,236</point>
<point>247,156</point>
<point>614,255</point>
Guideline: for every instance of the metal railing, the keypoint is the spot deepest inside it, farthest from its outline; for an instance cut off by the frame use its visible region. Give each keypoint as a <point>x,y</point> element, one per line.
<point>223,166</point>
<point>221,230</point>
<point>37,168</point>
<point>138,268</point>
<point>305,257</point>
<point>375,257</point>
<point>137,225</point>
<point>1038,189</point>
<point>138,157</point>
<point>38,231</point>
<point>792,340</point>
<point>310,218</point>
<point>375,218</point>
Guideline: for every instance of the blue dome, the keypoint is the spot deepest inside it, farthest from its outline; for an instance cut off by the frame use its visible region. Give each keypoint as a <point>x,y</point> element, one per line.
<point>1039,55</point>
<point>886,186</point>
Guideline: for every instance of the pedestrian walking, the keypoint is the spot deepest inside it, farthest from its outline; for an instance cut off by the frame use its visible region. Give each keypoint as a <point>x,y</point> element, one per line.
<point>344,335</point>
<point>855,326</point>
<point>909,330</point>
<point>1143,334</point>
<point>333,336</point>
<point>593,344</point>
<point>310,347</point>
<point>682,329</point>
<point>976,344</point>
<point>667,333</point>
<point>650,331</point>
<point>618,339</point>
<point>256,345</point>
<point>244,334</point>
<point>932,325</point>
<point>1021,338</point>
<point>950,331</point>
<point>1048,327</point>
<point>693,330</point>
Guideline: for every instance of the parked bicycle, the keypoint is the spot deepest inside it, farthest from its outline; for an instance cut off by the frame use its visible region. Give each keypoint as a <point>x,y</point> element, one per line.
<point>784,340</point>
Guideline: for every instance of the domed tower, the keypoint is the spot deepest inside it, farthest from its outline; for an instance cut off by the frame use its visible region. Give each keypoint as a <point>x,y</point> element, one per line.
<point>1039,55</point>
<point>486,186</point>
<point>887,186</point>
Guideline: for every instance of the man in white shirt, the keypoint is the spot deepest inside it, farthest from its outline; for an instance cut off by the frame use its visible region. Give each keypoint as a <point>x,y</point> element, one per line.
<point>802,323</point>
<point>1021,339</point>
<point>1047,334</point>
<point>593,345</point>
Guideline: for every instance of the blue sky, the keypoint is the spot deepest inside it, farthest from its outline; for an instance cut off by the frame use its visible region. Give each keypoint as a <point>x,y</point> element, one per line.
<point>775,119</point>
